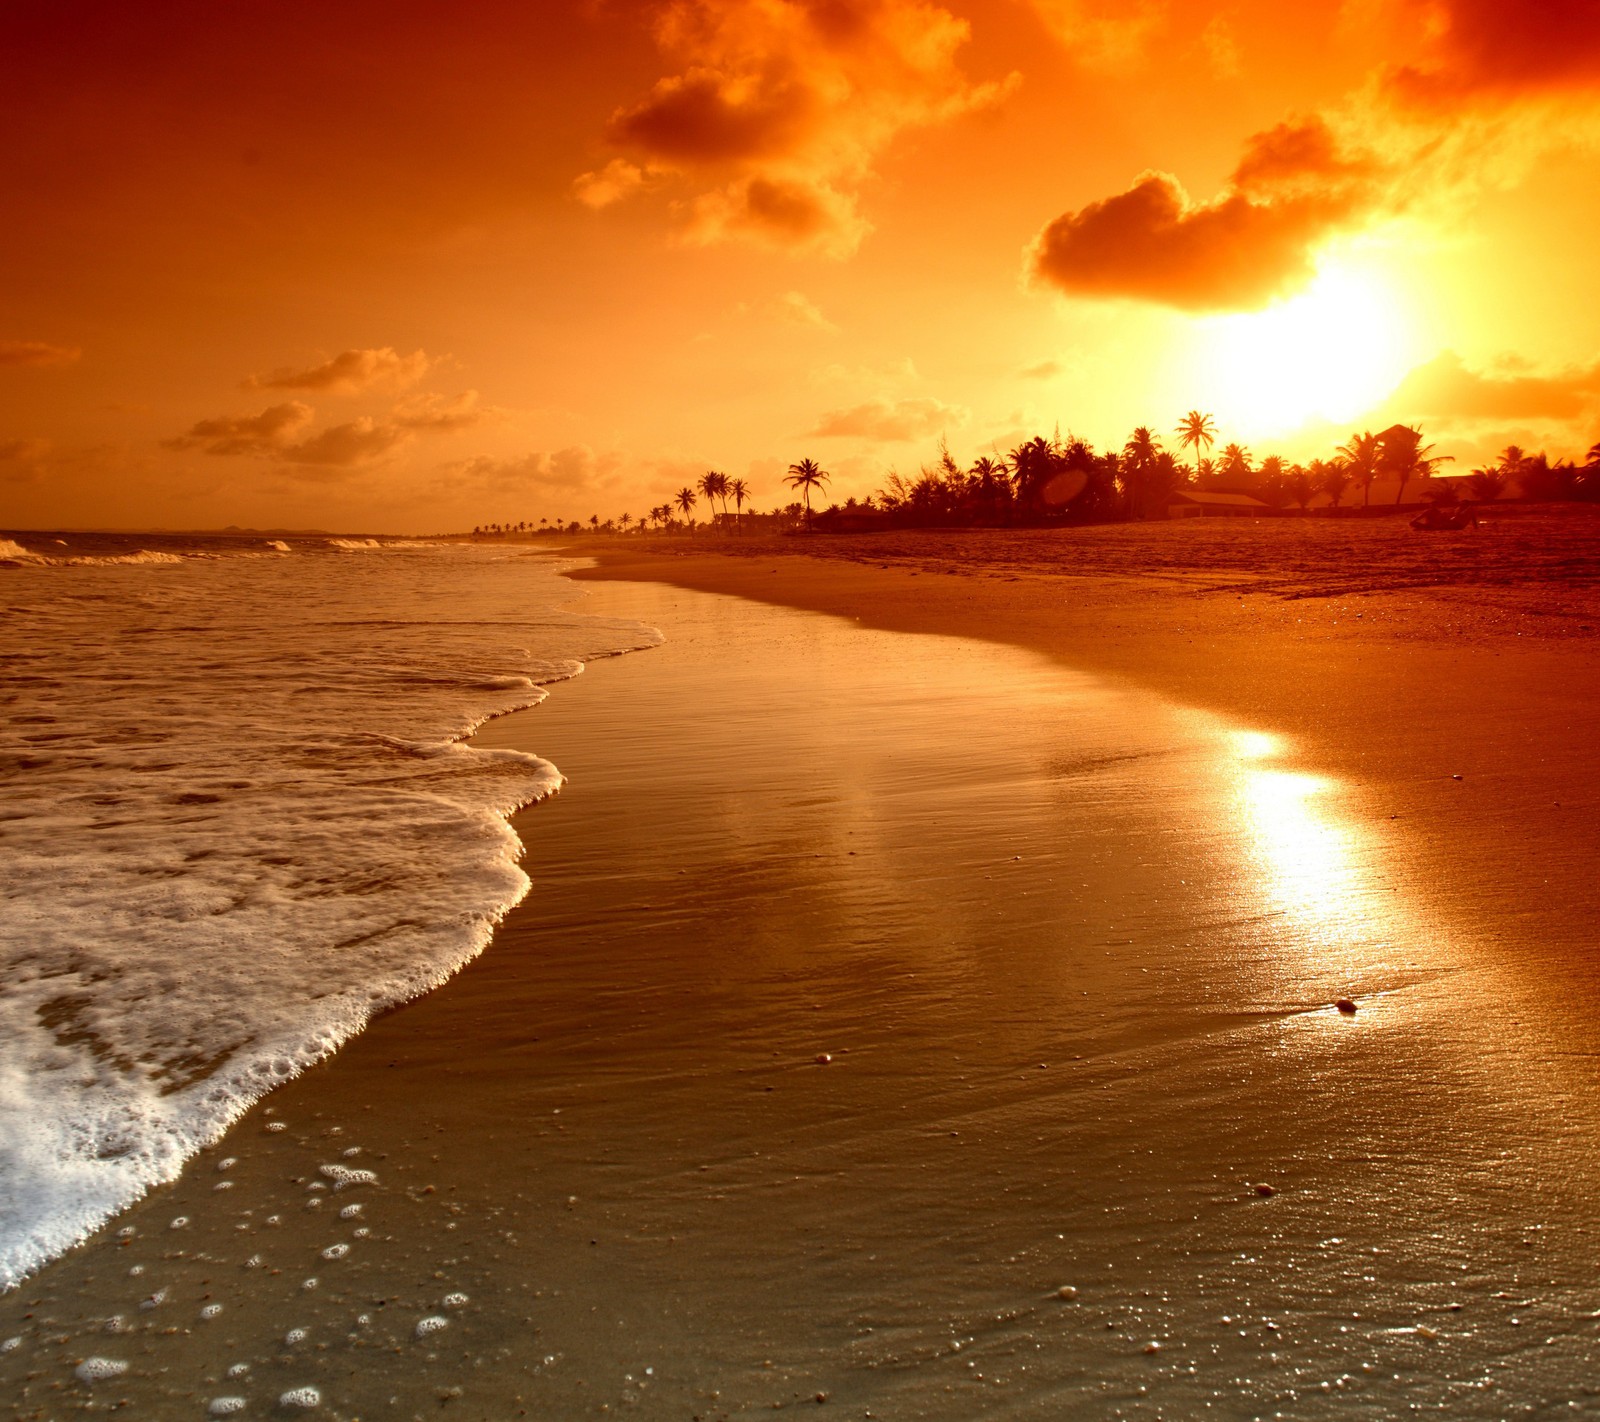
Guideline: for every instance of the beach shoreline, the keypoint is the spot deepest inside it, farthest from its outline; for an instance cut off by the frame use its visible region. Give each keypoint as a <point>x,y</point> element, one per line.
<point>767,1095</point>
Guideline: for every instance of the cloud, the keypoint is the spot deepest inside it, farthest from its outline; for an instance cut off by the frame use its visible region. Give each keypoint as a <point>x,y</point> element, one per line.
<point>36,353</point>
<point>796,309</point>
<point>1044,370</point>
<point>1293,188</point>
<point>22,460</point>
<point>349,372</point>
<point>263,433</point>
<point>1102,34</point>
<point>1445,388</point>
<point>360,441</point>
<point>890,422</point>
<point>779,110</point>
<point>1502,49</point>
<point>574,468</point>
<point>441,414</point>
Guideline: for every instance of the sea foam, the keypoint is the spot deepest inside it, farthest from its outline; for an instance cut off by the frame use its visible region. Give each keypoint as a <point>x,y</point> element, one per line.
<point>238,820</point>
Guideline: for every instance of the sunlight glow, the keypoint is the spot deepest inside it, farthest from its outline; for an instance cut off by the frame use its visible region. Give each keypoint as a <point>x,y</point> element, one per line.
<point>1333,352</point>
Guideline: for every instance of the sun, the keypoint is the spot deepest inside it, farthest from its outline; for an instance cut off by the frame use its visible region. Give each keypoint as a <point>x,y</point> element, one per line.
<point>1332,352</point>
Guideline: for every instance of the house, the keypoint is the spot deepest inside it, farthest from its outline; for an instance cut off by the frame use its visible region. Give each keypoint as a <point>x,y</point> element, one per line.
<point>1196,503</point>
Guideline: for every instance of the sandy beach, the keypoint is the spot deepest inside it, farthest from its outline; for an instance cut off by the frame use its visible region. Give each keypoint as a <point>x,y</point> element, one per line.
<point>925,1008</point>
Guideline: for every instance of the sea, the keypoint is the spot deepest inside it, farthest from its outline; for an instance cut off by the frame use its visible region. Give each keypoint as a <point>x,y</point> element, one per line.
<point>240,819</point>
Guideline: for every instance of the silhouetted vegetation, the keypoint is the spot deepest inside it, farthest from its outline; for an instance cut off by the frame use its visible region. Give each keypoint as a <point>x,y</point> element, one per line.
<point>1044,482</point>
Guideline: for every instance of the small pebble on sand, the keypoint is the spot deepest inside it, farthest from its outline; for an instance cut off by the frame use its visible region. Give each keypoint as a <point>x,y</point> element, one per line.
<point>1345,1005</point>
<point>1265,1191</point>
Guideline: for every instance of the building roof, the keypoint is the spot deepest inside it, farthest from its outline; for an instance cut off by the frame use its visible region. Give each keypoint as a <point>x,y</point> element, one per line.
<point>1221,501</point>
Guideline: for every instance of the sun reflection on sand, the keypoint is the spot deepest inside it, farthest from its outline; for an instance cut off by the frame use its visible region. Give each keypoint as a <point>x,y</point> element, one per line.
<point>1308,854</point>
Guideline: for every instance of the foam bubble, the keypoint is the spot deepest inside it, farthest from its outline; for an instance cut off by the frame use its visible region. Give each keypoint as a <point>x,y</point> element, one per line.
<point>431,1324</point>
<point>225,1406</point>
<point>304,1398</point>
<point>93,1370</point>
<point>236,769</point>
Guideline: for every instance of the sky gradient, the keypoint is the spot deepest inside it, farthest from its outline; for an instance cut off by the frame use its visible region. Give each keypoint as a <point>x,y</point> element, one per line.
<point>409,268</point>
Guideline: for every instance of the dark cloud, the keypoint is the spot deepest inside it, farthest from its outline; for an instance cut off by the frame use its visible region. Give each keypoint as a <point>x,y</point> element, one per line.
<point>346,446</point>
<point>1445,388</point>
<point>780,108</point>
<point>263,433</point>
<point>349,372</point>
<point>1503,48</point>
<point>36,353</point>
<point>1293,188</point>
<point>890,422</point>
<point>707,117</point>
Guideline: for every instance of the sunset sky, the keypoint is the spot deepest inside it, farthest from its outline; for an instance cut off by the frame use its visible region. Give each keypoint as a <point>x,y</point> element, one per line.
<point>412,267</point>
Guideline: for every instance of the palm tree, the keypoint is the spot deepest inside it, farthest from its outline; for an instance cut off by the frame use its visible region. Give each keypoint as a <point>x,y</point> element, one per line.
<point>625,520</point>
<point>685,501</point>
<point>1196,429</point>
<point>1361,454</point>
<point>740,491</point>
<point>1235,463</point>
<point>714,485</point>
<point>806,476</point>
<point>1403,454</point>
<point>1140,463</point>
<point>1332,478</point>
<point>1486,485</point>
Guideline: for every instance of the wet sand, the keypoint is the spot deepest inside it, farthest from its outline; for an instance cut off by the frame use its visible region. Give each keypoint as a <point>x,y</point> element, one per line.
<point>1069,947</point>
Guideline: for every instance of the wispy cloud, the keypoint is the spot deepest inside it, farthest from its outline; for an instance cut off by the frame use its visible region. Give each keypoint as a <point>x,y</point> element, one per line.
<point>37,353</point>
<point>890,422</point>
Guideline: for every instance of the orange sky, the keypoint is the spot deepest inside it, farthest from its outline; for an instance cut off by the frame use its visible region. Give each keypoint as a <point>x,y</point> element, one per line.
<point>413,267</point>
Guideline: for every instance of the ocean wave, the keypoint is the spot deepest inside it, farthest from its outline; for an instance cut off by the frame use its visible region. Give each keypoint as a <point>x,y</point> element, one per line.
<point>241,818</point>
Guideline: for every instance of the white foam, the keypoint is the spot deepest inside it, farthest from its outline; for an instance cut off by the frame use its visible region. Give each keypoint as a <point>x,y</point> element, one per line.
<point>238,819</point>
<point>353,545</point>
<point>278,544</point>
<point>13,552</point>
<point>93,1370</point>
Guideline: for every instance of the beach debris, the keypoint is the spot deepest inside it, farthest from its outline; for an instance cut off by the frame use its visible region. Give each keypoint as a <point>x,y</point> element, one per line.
<point>823,1058</point>
<point>455,1300</point>
<point>431,1324</point>
<point>225,1406</point>
<point>1346,1006</point>
<point>1066,1291</point>
<point>1265,1191</point>
<point>336,1251</point>
<point>211,1310</point>
<point>93,1370</point>
<point>304,1398</point>
<point>1455,777</point>
<point>344,1177</point>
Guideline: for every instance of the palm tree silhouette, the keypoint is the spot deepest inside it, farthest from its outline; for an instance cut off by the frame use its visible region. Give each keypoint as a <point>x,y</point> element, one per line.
<point>1196,429</point>
<point>806,476</point>
<point>740,491</point>
<point>714,485</point>
<point>1361,454</point>
<point>1403,454</point>
<point>685,501</point>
